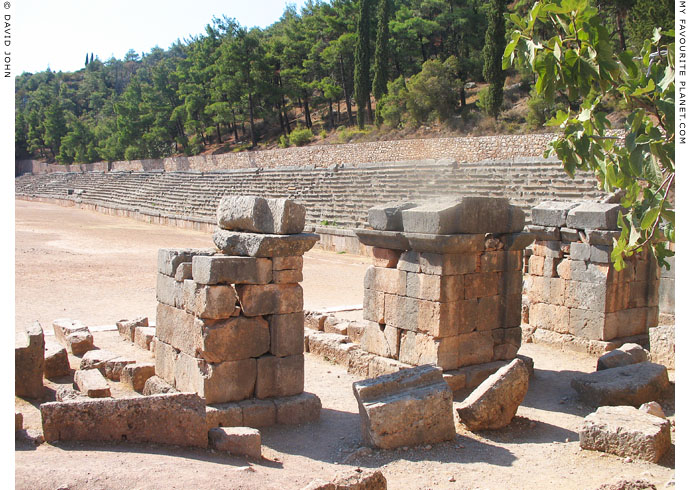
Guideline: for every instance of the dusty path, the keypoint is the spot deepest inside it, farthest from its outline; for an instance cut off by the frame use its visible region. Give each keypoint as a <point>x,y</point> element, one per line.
<point>99,269</point>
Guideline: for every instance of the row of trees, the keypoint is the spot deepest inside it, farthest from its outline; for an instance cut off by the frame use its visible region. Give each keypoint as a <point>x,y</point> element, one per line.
<point>414,56</point>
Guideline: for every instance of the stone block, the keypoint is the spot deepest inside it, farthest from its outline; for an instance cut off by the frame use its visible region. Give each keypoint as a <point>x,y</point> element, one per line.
<point>166,358</point>
<point>516,241</point>
<point>286,263</point>
<point>287,277</point>
<point>479,314</point>
<point>359,361</point>
<point>382,340</point>
<point>279,376</point>
<point>156,385</point>
<point>388,216</point>
<point>355,331</point>
<point>662,345</point>
<point>220,269</point>
<point>373,306</point>
<point>417,315</point>
<point>331,346</point>
<point>314,320</point>
<point>393,240</point>
<point>510,282</point>
<point>212,302</point>
<point>126,328</point>
<point>494,403</point>
<point>358,480</point>
<point>92,383</point>
<point>286,334</point>
<point>536,265</point>
<point>169,291</point>
<point>223,415</point>
<point>74,335</point>
<point>548,248</point>
<point>177,419</point>
<point>242,441</point>
<point>446,244</point>
<point>624,355</point>
<point>183,272</point>
<point>68,393</point>
<point>29,349</point>
<point>601,237</point>
<point>594,216</point>
<point>270,299</point>
<point>135,375</point>
<point>56,362</point>
<point>379,366</point>
<point>499,260</point>
<point>96,359</point>
<point>298,409</point>
<point>258,413</point>
<point>385,280</point>
<point>258,245</point>
<point>551,213</point>
<point>169,259</point>
<point>407,408</point>
<point>545,289</point>
<point>481,284</point>
<point>558,319</point>
<point>213,340</point>
<point>384,257</point>
<point>143,337</point>
<point>447,264</point>
<point>434,287</point>
<point>590,272</point>
<point>652,408</point>
<point>439,217</point>
<point>474,348</point>
<point>633,384</point>
<point>260,215</point>
<point>410,261</point>
<point>626,432</point>
<point>113,368</point>
<point>336,326</point>
<point>545,232</point>
<point>418,348</point>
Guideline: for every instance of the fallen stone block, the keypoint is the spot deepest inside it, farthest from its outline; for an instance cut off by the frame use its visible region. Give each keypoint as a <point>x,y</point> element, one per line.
<point>270,299</point>
<point>29,348</point>
<point>626,431</point>
<point>156,385</point>
<point>56,362</point>
<point>257,245</point>
<point>407,408</point>
<point>388,216</point>
<point>68,393</point>
<point>626,354</point>
<point>96,359</point>
<point>178,419</point>
<point>220,269</point>
<point>135,375</point>
<point>594,216</point>
<point>494,403</point>
<point>126,328</point>
<point>92,383</point>
<point>242,441</point>
<point>113,368</point>
<point>331,346</point>
<point>662,345</point>
<point>653,408</point>
<point>260,215</point>
<point>143,337</point>
<point>551,213</point>
<point>74,335</point>
<point>279,376</point>
<point>633,384</point>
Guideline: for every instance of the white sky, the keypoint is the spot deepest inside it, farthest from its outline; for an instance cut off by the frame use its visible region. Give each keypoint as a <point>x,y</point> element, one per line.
<point>60,33</point>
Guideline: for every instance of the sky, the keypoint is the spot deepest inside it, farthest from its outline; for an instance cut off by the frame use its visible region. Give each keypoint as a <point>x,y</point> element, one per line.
<point>59,34</point>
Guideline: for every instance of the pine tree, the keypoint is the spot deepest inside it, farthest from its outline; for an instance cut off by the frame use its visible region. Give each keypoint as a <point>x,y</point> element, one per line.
<point>91,58</point>
<point>494,46</point>
<point>381,57</point>
<point>86,61</point>
<point>362,60</point>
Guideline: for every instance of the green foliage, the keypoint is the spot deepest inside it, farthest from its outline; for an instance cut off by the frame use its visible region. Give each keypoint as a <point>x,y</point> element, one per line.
<point>381,56</point>
<point>579,62</point>
<point>494,45</point>
<point>301,136</point>
<point>540,110</point>
<point>433,92</point>
<point>392,105</point>
<point>363,60</point>
<point>647,15</point>
<point>284,141</point>
<point>323,134</point>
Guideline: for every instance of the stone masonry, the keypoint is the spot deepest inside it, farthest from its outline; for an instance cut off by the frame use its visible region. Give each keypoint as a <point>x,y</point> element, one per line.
<point>230,327</point>
<point>446,284</point>
<point>574,292</point>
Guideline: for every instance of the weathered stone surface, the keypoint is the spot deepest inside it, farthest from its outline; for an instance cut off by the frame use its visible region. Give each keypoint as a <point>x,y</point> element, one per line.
<point>29,347</point>
<point>56,362</point>
<point>126,328</point>
<point>135,375</point>
<point>183,272</point>
<point>355,331</point>
<point>625,431</point>
<point>545,232</point>
<point>418,348</point>
<point>212,340</point>
<point>382,340</point>
<point>385,280</point>
<point>439,264</point>
<point>393,240</point>
<point>260,215</point>
<point>593,216</point>
<point>601,237</point>
<point>379,366</point>
<point>67,393</point>
<point>178,419</point>
<point>662,345</point>
<point>445,244</point>
<point>360,480</point>
<point>551,213</point>
<point>96,359</point>
<point>18,421</point>
<point>331,346</point>
<point>258,413</point>
<point>257,245</point>
<point>286,333</point>
<point>516,241</point>
<point>270,299</point>
<point>418,315</point>
<point>493,403</point>
<point>156,385</point>
<point>373,303</point>
<point>113,368</point>
<point>624,355</point>
<point>298,409</point>
<point>432,287</point>
<point>74,335</point>
<point>288,263</point>
<point>625,484</point>
<point>287,277</point>
<point>169,291</point>
<point>243,441</point>
<point>143,337</point>
<point>384,257</point>
<point>653,408</point>
<point>212,302</point>
<point>634,384</point>
<point>334,325</point>
<point>388,216</point>
<point>220,269</point>
<point>223,415</point>
<point>407,408</point>
<point>92,383</point>
<point>279,376</point>
<point>169,259</point>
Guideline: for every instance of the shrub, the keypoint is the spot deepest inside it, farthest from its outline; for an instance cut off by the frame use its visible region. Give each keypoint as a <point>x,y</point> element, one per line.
<point>301,136</point>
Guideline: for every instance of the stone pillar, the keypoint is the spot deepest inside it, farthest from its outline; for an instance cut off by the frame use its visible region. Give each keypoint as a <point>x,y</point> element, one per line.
<point>446,284</point>
<point>575,296</point>
<point>230,321</point>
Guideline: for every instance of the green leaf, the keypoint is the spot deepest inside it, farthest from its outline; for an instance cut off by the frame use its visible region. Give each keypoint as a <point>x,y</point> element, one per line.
<point>656,35</point>
<point>517,20</point>
<point>645,90</point>
<point>649,218</point>
<point>669,77</point>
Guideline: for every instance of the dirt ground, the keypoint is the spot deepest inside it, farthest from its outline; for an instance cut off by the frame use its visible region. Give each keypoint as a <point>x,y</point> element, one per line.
<point>99,269</point>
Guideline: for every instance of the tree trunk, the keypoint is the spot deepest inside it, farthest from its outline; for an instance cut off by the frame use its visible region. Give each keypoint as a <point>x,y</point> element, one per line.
<point>369,113</point>
<point>348,105</point>
<point>252,134</point>
<point>220,140</point>
<point>620,25</point>
<point>330,113</point>
<point>307,115</point>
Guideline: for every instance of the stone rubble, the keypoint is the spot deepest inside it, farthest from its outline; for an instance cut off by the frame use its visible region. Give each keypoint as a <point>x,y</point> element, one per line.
<point>242,441</point>
<point>624,355</point>
<point>92,383</point>
<point>74,335</point>
<point>56,362</point>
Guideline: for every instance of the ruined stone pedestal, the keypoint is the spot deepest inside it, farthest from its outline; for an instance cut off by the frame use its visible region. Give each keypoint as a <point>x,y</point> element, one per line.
<point>231,327</point>
<point>446,284</point>
<point>576,297</point>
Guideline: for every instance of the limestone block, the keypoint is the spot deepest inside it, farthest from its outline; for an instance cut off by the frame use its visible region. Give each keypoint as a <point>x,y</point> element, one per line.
<point>143,337</point>
<point>156,385</point>
<point>624,355</point>
<point>446,244</point>
<point>509,282</point>
<point>419,348</point>
<point>384,257</point>
<point>177,419</point>
<point>379,366</point>
<point>314,320</point>
<point>479,314</point>
<point>494,403</point>
<point>298,409</point>
<point>382,340</point>
<point>498,260</point>
<point>213,340</point>
<point>56,362</point>
<point>433,287</point>
<point>551,213</point>
<point>633,384</point>
<point>29,347</point>
<point>74,335</point>
<point>286,334</point>
<point>373,306</point>
<point>662,345</point>
<point>553,317</point>
<point>113,368</point>
<point>385,280</point>
<point>243,441</point>
<point>183,272</point>
<point>126,328</point>
<point>388,216</point>
<point>447,264</point>
<point>335,325</point>
<point>625,431</point>
<point>331,346</point>
<point>590,272</point>
<point>516,241</point>
<point>279,376</point>
<point>270,299</point>
<point>66,393</point>
<point>545,232</point>
<point>92,383</point>
<point>438,217</point>
<point>410,261</point>
<point>258,245</point>
<point>135,375</point>
<point>169,259</point>
<point>393,240</point>
<point>260,215</point>
<point>536,265</point>
<point>220,269</point>
<point>548,248</point>
<point>166,358</point>
<point>601,237</point>
<point>96,359</point>
<point>359,361</point>
<point>212,302</point>
<point>593,216</point>
<point>169,291</point>
<point>653,408</point>
<point>223,415</point>
<point>474,348</point>
<point>287,277</point>
<point>407,408</point>
<point>258,413</point>
<point>288,263</point>
<point>418,315</point>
